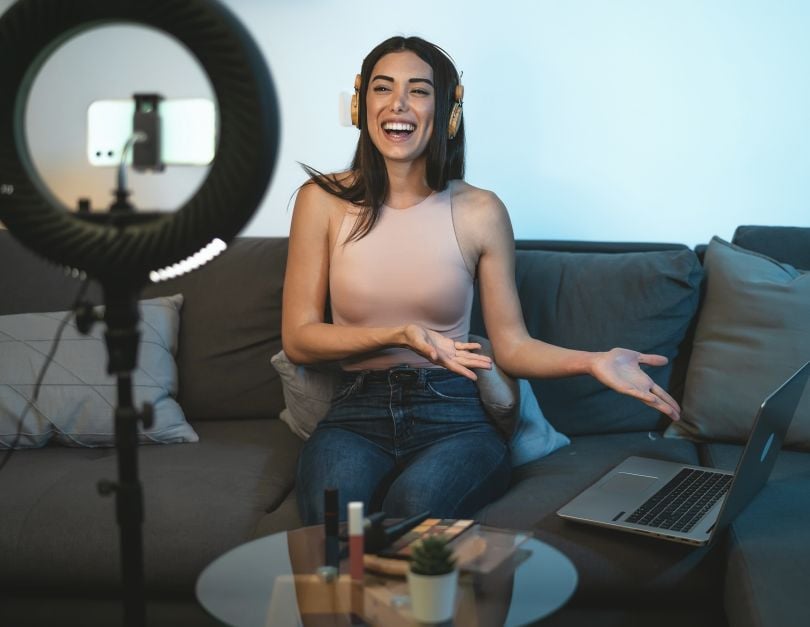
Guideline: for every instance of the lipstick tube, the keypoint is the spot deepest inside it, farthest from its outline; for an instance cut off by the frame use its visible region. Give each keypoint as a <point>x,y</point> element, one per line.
<point>356,540</point>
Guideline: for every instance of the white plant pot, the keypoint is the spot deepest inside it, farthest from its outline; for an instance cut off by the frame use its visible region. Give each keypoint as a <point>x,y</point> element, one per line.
<point>433,597</point>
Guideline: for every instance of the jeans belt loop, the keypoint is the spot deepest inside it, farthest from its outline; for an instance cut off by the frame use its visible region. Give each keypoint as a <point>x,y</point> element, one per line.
<point>360,381</point>
<point>421,381</point>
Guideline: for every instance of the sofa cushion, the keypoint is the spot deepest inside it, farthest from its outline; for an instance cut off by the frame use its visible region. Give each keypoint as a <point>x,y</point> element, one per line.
<point>200,500</point>
<point>78,397</point>
<point>753,332</point>
<point>766,576</point>
<point>231,324</point>
<point>596,301</point>
<point>615,568</point>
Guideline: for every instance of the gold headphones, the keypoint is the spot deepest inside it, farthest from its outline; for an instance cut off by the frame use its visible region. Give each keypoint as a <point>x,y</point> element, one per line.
<point>355,109</point>
<point>453,123</point>
<point>455,113</point>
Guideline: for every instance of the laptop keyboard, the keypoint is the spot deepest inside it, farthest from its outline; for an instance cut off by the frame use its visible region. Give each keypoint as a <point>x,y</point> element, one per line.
<point>682,502</point>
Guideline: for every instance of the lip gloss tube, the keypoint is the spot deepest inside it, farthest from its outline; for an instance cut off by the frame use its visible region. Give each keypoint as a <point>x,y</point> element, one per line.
<point>356,540</point>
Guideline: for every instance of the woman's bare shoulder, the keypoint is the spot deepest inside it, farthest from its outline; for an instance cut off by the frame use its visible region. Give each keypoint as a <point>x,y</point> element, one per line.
<point>479,218</point>
<point>477,203</point>
<point>314,188</point>
<point>318,212</point>
<point>312,197</point>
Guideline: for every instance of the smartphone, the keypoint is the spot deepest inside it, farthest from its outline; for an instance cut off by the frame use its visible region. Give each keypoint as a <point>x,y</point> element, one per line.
<point>188,131</point>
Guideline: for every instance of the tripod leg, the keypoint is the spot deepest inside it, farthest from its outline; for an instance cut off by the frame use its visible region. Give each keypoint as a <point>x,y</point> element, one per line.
<point>129,508</point>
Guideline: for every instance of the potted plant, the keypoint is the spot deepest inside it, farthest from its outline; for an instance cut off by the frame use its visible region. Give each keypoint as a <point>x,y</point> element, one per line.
<point>432,580</point>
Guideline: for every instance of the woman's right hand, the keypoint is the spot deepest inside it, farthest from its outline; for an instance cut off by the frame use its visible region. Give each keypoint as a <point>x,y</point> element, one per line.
<point>443,351</point>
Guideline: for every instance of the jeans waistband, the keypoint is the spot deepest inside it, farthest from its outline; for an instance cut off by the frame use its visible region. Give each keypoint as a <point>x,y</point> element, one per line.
<point>404,374</point>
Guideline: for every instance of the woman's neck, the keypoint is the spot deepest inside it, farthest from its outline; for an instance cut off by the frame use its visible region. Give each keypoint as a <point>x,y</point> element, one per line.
<point>407,183</point>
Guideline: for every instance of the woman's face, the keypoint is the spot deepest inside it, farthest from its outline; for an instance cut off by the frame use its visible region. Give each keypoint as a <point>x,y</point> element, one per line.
<point>400,102</point>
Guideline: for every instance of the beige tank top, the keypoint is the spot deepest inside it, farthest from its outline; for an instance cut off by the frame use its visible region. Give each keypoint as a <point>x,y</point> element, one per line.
<point>409,268</point>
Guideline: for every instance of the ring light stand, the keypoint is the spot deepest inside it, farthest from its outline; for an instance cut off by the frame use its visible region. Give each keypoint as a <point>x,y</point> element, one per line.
<point>121,248</point>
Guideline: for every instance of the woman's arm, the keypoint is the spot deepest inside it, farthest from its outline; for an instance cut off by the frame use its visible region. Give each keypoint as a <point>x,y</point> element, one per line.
<point>306,338</point>
<point>486,223</point>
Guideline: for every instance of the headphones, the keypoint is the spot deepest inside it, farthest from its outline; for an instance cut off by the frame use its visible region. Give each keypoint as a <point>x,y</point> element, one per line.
<point>455,113</point>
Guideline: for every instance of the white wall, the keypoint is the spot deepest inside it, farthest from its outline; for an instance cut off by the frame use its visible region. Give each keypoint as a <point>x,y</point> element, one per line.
<point>642,120</point>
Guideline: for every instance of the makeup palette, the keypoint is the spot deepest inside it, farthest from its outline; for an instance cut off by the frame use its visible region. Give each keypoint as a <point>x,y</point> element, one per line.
<point>451,528</point>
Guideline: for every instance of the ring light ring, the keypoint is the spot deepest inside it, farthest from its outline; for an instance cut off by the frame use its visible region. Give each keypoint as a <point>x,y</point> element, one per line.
<point>31,30</point>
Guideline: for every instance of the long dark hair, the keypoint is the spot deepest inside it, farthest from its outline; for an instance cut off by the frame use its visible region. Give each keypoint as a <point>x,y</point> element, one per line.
<point>367,186</point>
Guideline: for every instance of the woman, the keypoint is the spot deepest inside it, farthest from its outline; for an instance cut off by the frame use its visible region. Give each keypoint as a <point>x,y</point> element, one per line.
<point>397,242</point>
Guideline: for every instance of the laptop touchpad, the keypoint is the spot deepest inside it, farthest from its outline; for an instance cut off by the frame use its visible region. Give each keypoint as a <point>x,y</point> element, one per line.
<point>626,483</point>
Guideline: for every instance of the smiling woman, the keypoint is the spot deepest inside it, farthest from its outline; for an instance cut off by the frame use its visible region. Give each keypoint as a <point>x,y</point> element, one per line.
<point>397,242</point>
<point>400,105</point>
<point>429,91</point>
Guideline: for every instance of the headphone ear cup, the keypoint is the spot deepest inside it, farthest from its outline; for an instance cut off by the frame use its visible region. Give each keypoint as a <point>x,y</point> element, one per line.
<point>455,121</point>
<point>355,106</point>
<point>455,113</point>
<point>355,111</point>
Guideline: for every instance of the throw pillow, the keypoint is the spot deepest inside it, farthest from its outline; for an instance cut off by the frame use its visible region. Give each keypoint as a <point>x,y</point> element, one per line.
<point>534,436</point>
<point>753,331</point>
<point>77,397</point>
<point>643,301</point>
<point>499,392</point>
<point>308,393</point>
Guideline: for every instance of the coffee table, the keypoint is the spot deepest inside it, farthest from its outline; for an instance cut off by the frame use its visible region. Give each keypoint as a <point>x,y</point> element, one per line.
<point>262,583</point>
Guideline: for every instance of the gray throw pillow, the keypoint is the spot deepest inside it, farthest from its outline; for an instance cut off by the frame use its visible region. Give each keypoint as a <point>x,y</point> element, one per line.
<point>77,398</point>
<point>308,392</point>
<point>753,331</point>
<point>499,392</point>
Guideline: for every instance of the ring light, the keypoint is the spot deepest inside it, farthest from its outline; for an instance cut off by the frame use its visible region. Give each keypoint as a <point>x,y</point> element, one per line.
<point>248,137</point>
<point>122,248</point>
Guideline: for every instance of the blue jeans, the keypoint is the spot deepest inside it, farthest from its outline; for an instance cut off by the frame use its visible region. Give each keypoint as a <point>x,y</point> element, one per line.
<point>403,441</point>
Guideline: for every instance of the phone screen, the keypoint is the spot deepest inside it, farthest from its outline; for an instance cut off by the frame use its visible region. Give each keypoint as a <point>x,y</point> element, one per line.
<point>188,131</point>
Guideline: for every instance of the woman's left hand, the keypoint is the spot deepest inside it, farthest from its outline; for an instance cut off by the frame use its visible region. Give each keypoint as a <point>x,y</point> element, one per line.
<point>620,369</point>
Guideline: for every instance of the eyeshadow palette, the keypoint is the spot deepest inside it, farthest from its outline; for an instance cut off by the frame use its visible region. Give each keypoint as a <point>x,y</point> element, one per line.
<point>451,528</point>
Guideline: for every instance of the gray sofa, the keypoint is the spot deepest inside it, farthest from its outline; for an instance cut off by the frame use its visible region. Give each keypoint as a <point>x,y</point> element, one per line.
<point>59,559</point>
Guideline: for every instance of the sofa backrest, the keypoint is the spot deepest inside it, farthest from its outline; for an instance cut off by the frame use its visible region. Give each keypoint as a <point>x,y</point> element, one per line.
<point>230,326</point>
<point>588,295</point>
<point>28,283</point>
<point>231,317</point>
<point>230,323</point>
<point>788,244</point>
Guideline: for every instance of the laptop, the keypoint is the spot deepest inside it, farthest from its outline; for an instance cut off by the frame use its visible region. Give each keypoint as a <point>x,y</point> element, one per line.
<point>690,504</point>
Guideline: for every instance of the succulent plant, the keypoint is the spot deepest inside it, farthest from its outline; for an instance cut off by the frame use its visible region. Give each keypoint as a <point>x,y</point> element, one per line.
<point>432,556</point>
